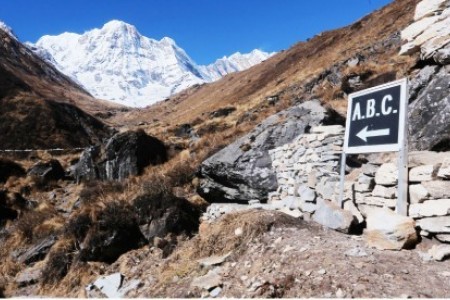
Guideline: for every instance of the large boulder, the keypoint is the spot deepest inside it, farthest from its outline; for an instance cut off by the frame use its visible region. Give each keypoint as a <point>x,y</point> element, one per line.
<point>114,232</point>
<point>387,230</point>
<point>243,170</point>
<point>330,215</point>
<point>429,114</point>
<point>124,154</point>
<point>47,170</point>
<point>162,213</point>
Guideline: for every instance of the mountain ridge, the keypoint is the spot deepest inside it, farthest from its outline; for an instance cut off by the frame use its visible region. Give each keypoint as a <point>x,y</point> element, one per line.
<point>41,107</point>
<point>119,64</point>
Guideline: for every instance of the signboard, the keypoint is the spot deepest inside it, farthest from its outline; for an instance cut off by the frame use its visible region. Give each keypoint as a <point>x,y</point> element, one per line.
<point>377,122</point>
<point>376,119</point>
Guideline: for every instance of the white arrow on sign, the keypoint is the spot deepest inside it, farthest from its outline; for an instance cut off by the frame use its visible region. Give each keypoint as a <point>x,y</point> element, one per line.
<point>364,133</point>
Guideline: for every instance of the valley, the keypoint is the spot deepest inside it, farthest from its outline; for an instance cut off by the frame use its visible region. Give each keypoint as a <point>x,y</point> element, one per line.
<point>228,186</point>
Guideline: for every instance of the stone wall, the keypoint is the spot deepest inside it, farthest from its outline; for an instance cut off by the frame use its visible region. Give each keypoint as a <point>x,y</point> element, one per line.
<point>307,171</point>
<point>308,168</point>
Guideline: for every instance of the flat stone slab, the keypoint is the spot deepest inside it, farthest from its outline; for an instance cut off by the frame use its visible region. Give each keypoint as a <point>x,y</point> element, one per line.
<point>387,175</point>
<point>208,281</point>
<point>438,189</point>
<point>439,252</point>
<point>421,173</point>
<point>435,225</point>
<point>213,260</point>
<point>430,208</point>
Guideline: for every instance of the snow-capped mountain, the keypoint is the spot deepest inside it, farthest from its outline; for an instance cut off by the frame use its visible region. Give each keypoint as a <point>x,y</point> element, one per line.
<point>7,29</point>
<point>117,63</point>
<point>234,63</point>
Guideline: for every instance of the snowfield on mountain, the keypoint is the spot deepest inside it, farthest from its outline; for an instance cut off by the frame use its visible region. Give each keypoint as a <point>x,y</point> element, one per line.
<point>117,63</point>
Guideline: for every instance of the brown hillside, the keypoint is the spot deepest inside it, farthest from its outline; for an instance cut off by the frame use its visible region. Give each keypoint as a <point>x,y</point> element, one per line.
<point>38,104</point>
<point>290,73</point>
<point>23,71</point>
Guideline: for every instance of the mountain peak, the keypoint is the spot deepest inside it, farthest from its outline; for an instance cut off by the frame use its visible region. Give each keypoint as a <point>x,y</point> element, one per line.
<point>117,63</point>
<point>7,29</point>
<point>119,26</point>
<point>167,40</point>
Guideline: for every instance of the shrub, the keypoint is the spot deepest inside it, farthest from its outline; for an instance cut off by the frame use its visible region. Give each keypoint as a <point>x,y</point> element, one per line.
<point>57,266</point>
<point>115,231</point>
<point>78,226</point>
<point>93,190</point>
<point>181,173</point>
<point>28,222</point>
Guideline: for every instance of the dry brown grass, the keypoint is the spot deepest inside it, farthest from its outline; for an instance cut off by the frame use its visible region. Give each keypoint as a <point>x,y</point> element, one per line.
<point>30,226</point>
<point>219,238</point>
<point>284,75</point>
<point>58,262</point>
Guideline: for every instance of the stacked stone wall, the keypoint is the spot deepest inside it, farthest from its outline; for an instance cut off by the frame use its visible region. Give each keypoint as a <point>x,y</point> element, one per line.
<point>308,171</point>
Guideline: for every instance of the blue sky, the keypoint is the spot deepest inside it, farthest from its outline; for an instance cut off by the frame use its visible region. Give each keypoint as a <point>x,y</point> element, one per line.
<point>206,29</point>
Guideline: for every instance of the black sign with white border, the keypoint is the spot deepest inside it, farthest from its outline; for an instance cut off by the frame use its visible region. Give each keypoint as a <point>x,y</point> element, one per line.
<point>376,119</point>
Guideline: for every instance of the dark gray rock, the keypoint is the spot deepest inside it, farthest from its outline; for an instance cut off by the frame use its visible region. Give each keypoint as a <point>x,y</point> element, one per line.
<point>49,170</point>
<point>243,170</point>
<point>222,112</point>
<point>442,56</point>
<point>186,131</point>
<point>11,204</point>
<point>183,130</point>
<point>429,115</point>
<point>125,154</point>
<point>7,213</point>
<point>161,214</point>
<point>114,233</point>
<point>421,80</point>
<point>86,168</point>
<point>37,252</point>
<point>9,168</point>
<point>129,153</point>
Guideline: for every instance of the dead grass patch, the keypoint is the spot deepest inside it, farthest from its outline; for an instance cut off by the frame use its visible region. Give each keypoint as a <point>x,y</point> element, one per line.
<point>29,226</point>
<point>58,263</point>
<point>219,238</point>
<point>96,189</point>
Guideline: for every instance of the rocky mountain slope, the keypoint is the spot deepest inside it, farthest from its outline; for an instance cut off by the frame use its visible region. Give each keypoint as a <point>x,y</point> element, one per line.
<point>117,63</point>
<point>37,103</point>
<point>238,174</point>
<point>323,67</point>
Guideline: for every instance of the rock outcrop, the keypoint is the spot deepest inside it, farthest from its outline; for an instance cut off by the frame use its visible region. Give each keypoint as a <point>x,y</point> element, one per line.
<point>429,114</point>
<point>243,170</point>
<point>115,232</point>
<point>124,154</point>
<point>430,30</point>
<point>429,111</point>
<point>47,170</point>
<point>159,215</point>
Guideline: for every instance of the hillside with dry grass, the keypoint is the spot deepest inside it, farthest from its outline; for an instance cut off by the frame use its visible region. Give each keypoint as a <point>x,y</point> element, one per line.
<point>40,107</point>
<point>58,235</point>
<point>297,74</point>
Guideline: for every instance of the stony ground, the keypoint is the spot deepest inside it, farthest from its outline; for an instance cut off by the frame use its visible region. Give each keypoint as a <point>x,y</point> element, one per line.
<point>286,259</point>
<point>276,256</point>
